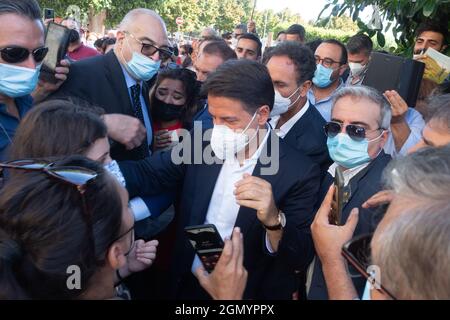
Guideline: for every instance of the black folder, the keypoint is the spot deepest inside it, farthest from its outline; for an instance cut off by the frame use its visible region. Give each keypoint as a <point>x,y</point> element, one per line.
<point>389,72</point>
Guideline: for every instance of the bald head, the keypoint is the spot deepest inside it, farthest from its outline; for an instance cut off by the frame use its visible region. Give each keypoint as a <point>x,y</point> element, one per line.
<point>135,17</point>
<point>140,27</point>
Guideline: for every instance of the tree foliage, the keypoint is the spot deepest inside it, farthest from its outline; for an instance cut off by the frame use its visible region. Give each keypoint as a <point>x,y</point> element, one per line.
<point>403,15</point>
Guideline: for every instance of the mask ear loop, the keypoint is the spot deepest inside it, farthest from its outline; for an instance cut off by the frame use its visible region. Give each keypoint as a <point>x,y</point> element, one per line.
<point>368,141</point>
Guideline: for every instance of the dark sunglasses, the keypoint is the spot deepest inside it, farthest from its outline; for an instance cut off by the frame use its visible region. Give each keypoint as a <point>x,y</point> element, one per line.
<point>357,252</point>
<point>149,49</point>
<point>19,54</point>
<point>355,132</point>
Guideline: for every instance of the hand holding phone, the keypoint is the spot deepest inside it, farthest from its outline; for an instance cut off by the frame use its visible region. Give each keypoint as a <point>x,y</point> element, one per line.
<point>57,42</point>
<point>338,198</point>
<point>207,243</point>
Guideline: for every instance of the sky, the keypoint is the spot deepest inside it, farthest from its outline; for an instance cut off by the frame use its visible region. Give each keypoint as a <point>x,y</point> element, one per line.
<point>308,9</point>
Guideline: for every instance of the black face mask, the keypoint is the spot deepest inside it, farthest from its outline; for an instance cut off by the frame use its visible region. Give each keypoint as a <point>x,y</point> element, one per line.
<point>166,112</point>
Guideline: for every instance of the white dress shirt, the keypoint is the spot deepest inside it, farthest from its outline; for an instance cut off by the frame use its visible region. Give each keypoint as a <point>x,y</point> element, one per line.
<point>416,124</point>
<point>349,173</point>
<point>223,208</point>
<point>284,129</point>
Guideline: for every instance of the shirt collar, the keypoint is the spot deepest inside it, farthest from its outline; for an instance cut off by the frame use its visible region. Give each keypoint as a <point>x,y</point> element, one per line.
<point>285,128</point>
<point>312,98</point>
<point>130,81</point>
<point>349,173</point>
<point>254,158</point>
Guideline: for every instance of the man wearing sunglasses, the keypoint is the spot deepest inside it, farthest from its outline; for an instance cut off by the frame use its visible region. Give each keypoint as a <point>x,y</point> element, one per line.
<point>415,224</point>
<point>22,51</point>
<point>117,82</point>
<point>357,133</point>
<point>331,60</point>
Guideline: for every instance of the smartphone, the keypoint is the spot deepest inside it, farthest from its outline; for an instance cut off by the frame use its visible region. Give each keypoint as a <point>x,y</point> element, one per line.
<point>207,243</point>
<point>57,42</point>
<point>338,198</point>
<point>49,14</point>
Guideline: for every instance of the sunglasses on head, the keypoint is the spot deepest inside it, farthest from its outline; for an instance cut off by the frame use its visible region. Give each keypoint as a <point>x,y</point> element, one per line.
<point>358,252</point>
<point>355,132</point>
<point>76,176</point>
<point>19,54</point>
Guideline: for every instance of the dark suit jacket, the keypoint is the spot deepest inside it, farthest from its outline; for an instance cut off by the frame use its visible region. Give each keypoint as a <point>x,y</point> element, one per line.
<point>364,185</point>
<point>295,188</point>
<point>308,136</point>
<point>100,81</point>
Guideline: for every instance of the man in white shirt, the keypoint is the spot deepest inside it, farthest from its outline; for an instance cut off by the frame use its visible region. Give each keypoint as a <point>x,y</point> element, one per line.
<point>291,67</point>
<point>357,133</point>
<point>273,208</point>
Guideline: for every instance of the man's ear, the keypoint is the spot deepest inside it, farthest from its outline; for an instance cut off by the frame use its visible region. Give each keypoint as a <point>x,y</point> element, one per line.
<point>305,88</point>
<point>342,69</point>
<point>115,256</point>
<point>384,138</point>
<point>264,114</point>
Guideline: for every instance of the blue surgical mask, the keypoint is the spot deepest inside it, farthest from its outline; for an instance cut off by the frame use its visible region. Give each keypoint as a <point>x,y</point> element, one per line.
<point>142,68</point>
<point>17,81</point>
<point>322,76</point>
<point>348,153</point>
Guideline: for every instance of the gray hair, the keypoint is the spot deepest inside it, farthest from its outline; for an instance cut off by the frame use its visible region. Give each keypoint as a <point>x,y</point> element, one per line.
<point>413,253</point>
<point>439,109</point>
<point>26,8</point>
<point>423,174</point>
<point>131,16</point>
<point>370,94</point>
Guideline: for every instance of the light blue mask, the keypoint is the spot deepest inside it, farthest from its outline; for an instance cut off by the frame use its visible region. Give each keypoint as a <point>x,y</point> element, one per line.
<point>322,76</point>
<point>17,81</point>
<point>143,68</point>
<point>348,153</point>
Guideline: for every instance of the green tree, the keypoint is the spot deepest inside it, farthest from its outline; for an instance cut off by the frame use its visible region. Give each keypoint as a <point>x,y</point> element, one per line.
<point>403,15</point>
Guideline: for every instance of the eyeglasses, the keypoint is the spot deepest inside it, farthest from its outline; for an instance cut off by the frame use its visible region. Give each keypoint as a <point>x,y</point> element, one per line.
<point>149,49</point>
<point>355,132</point>
<point>327,62</point>
<point>19,54</point>
<point>358,252</point>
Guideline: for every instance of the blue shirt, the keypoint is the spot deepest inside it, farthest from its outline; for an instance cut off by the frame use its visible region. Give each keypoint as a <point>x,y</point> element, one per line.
<point>148,124</point>
<point>324,105</point>
<point>9,123</point>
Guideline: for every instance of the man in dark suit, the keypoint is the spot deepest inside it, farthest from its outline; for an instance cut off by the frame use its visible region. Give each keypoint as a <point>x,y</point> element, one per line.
<point>356,136</point>
<point>291,67</point>
<point>117,81</point>
<point>263,186</point>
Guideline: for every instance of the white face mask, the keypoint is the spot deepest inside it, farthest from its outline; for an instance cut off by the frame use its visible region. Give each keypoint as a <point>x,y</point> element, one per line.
<point>226,143</point>
<point>114,169</point>
<point>356,68</point>
<point>282,104</point>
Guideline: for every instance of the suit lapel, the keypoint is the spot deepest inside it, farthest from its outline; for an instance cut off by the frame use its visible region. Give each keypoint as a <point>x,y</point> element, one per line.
<point>115,76</point>
<point>247,217</point>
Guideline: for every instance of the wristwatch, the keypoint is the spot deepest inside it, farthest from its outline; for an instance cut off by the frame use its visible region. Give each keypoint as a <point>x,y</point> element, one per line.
<point>281,223</point>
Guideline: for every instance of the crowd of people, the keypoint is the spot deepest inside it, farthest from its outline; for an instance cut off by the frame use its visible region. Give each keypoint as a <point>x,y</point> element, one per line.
<point>139,138</point>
